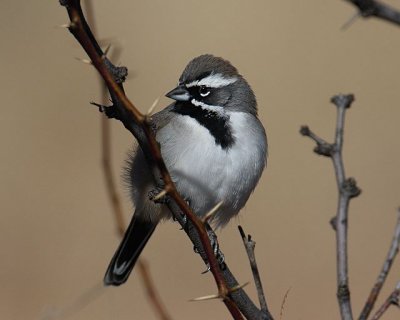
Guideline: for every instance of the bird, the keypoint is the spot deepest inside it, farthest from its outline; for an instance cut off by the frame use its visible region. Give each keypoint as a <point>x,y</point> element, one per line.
<point>213,145</point>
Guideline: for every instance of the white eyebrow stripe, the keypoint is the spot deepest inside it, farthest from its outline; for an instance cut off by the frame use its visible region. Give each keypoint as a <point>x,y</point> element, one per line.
<point>213,81</point>
<point>206,106</point>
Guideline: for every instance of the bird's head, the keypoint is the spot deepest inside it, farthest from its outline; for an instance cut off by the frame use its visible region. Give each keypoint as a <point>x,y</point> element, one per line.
<point>214,84</point>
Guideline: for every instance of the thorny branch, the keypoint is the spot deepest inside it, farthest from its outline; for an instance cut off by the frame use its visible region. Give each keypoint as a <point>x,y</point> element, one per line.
<point>374,8</point>
<point>348,189</point>
<point>114,195</point>
<point>120,224</point>
<point>393,250</point>
<point>140,126</point>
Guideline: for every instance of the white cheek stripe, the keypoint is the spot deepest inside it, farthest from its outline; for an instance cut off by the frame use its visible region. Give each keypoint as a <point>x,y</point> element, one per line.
<point>213,81</point>
<point>206,106</point>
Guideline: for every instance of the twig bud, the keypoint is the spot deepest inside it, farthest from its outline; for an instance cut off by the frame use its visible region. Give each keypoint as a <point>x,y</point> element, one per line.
<point>350,188</point>
<point>343,100</point>
<point>305,130</point>
<point>324,149</point>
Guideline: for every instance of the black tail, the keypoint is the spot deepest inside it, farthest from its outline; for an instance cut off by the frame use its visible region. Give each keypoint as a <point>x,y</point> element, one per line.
<point>124,259</point>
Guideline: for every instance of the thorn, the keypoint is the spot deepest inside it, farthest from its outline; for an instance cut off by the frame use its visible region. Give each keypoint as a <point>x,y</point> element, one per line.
<point>86,61</point>
<point>104,56</point>
<point>64,26</point>
<point>107,49</point>
<point>210,213</point>
<point>349,22</point>
<point>333,222</point>
<point>207,270</point>
<point>101,107</point>
<point>242,234</point>
<point>238,287</point>
<point>151,109</point>
<point>210,297</point>
<point>160,195</point>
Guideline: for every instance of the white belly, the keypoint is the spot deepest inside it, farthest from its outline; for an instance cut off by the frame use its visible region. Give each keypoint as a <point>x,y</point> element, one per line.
<point>206,174</point>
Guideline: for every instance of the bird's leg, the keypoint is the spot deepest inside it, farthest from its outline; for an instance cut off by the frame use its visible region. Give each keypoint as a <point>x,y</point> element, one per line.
<point>215,246</point>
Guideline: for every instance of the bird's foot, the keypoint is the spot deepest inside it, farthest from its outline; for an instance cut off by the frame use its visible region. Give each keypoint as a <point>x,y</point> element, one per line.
<point>183,218</point>
<point>216,250</point>
<point>184,221</point>
<point>215,246</point>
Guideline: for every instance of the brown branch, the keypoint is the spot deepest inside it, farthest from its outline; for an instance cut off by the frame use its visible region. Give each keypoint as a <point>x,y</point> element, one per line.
<point>140,126</point>
<point>112,189</point>
<point>393,250</point>
<point>393,299</point>
<point>250,245</point>
<point>347,189</point>
<point>377,9</point>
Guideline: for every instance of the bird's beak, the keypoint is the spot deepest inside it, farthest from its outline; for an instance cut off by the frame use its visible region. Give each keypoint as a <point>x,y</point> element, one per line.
<point>180,93</point>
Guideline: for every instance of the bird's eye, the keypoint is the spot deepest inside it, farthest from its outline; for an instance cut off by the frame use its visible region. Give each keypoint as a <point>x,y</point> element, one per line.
<point>204,91</point>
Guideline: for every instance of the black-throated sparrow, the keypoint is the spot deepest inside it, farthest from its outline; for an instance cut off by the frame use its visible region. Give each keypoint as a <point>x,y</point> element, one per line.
<point>213,145</point>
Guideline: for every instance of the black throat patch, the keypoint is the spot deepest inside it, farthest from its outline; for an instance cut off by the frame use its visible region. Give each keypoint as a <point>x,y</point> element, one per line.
<point>217,124</point>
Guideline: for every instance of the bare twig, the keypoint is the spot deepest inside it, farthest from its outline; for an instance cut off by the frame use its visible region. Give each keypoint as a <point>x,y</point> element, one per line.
<point>124,110</point>
<point>250,245</point>
<point>348,189</point>
<point>151,292</point>
<point>283,303</point>
<point>393,299</point>
<point>378,9</point>
<point>78,304</point>
<point>393,250</point>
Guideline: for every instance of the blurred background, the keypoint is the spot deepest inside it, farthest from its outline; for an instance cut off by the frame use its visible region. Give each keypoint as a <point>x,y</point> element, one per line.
<point>57,232</point>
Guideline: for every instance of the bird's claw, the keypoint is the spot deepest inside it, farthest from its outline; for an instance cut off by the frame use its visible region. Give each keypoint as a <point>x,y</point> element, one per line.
<point>207,270</point>
<point>184,221</point>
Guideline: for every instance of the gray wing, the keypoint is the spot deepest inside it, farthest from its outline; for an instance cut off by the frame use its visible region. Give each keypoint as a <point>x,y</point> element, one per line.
<point>161,118</point>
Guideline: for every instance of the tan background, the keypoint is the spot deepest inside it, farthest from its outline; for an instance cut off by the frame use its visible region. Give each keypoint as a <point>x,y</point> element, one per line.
<point>56,230</point>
